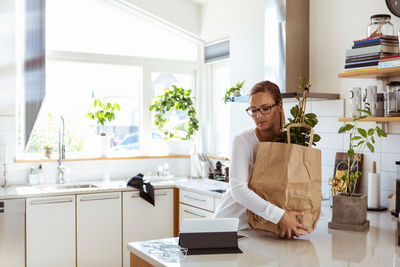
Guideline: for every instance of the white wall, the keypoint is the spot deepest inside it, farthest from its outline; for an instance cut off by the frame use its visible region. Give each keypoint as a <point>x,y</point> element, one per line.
<point>182,13</point>
<point>243,23</point>
<point>7,76</point>
<point>333,27</point>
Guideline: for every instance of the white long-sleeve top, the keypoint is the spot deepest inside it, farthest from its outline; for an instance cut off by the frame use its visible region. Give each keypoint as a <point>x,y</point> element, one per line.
<point>239,197</point>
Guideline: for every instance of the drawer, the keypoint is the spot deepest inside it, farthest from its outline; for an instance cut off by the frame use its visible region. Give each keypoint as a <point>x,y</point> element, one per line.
<point>186,212</point>
<point>217,201</point>
<point>197,200</point>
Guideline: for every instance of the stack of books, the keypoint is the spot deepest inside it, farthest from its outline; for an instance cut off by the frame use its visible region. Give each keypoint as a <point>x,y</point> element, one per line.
<point>389,62</point>
<point>366,53</point>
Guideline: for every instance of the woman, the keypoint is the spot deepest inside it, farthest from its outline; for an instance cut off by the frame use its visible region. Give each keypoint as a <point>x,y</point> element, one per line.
<point>267,113</point>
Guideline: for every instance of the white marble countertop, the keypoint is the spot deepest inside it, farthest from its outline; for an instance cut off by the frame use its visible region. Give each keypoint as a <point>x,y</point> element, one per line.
<point>203,186</point>
<point>323,247</point>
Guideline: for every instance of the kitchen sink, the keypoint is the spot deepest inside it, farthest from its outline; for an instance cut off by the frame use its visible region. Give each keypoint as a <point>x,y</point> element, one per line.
<point>65,186</point>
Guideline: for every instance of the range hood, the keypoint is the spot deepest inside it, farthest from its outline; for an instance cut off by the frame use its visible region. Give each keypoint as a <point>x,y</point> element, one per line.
<point>286,46</point>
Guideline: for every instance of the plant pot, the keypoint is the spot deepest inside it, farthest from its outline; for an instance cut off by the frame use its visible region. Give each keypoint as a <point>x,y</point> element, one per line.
<point>349,213</point>
<point>104,145</point>
<point>48,152</point>
<point>177,146</point>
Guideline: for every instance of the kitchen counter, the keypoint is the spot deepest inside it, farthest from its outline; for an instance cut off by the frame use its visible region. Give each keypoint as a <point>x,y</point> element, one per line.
<point>323,247</point>
<point>203,186</point>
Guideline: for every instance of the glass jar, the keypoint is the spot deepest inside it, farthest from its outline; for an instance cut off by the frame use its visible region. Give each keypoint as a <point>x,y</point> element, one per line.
<point>392,89</point>
<point>380,25</point>
<point>398,100</point>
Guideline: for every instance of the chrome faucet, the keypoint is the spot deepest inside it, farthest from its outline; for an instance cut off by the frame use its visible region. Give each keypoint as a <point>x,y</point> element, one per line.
<point>61,151</point>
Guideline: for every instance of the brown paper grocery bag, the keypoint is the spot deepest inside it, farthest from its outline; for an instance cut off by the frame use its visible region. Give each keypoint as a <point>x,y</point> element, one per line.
<point>289,176</point>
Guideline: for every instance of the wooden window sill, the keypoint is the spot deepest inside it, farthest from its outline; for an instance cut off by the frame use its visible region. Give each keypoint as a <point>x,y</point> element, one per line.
<point>30,160</point>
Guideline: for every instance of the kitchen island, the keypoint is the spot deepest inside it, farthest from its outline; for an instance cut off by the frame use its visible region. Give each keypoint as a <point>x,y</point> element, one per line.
<point>323,247</point>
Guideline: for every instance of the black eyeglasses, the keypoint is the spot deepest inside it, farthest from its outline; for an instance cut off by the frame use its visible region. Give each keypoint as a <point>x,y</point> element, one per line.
<point>264,110</point>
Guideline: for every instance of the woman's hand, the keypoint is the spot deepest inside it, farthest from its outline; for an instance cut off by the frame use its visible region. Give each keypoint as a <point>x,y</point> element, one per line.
<point>289,224</point>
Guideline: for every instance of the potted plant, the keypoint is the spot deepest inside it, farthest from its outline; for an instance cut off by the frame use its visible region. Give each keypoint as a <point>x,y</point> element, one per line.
<point>176,99</point>
<point>233,92</point>
<point>349,209</point>
<point>48,151</point>
<point>300,135</point>
<point>103,112</point>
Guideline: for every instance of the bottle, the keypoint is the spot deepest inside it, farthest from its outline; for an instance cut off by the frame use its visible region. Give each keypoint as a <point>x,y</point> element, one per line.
<point>40,174</point>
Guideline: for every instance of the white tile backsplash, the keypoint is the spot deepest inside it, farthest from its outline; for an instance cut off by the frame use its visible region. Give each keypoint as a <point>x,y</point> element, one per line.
<point>327,171</point>
<point>369,158</point>
<point>393,128</point>
<point>389,161</point>
<point>330,141</point>
<point>328,156</point>
<point>391,144</point>
<point>388,181</point>
<point>328,125</point>
<point>328,108</point>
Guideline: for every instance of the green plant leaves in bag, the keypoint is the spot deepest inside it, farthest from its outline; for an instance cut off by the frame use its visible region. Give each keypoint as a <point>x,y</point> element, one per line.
<point>317,138</point>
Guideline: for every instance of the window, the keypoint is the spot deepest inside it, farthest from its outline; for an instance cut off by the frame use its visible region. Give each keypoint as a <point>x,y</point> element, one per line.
<point>220,73</point>
<point>122,59</point>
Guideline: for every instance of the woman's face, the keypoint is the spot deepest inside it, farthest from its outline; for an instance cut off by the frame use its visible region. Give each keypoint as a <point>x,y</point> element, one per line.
<point>264,121</point>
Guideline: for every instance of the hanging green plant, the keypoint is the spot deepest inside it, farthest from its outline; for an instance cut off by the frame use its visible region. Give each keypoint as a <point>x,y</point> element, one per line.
<point>300,135</point>
<point>175,99</point>
<point>233,92</point>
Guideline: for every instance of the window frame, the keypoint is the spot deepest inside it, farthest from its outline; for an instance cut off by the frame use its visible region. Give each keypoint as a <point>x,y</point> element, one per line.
<point>148,65</point>
<point>211,67</point>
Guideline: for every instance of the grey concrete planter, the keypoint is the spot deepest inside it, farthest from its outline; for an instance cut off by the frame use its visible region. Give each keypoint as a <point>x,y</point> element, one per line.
<point>349,213</point>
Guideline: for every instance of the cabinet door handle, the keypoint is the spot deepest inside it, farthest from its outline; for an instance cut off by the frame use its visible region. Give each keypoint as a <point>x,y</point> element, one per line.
<point>193,213</point>
<point>157,195</point>
<point>194,198</point>
<point>50,201</point>
<point>99,198</point>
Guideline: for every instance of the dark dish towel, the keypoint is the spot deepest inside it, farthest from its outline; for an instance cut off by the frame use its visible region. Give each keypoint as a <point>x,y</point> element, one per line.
<point>146,189</point>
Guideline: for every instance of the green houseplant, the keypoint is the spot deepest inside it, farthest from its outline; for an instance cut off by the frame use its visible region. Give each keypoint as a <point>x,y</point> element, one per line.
<point>349,209</point>
<point>48,151</point>
<point>103,112</point>
<point>300,135</point>
<point>176,99</point>
<point>359,140</point>
<point>233,92</point>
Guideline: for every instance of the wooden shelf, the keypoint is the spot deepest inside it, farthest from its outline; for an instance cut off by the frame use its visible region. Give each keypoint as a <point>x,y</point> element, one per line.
<point>372,74</point>
<point>373,119</point>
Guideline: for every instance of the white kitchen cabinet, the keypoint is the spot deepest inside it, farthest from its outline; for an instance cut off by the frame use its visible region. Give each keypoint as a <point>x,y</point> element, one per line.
<point>198,200</point>
<point>186,211</point>
<point>50,231</point>
<point>143,221</point>
<point>196,205</point>
<point>98,230</point>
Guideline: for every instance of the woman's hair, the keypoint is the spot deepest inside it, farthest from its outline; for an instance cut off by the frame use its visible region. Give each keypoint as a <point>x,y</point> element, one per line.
<point>267,87</point>
<point>273,89</point>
